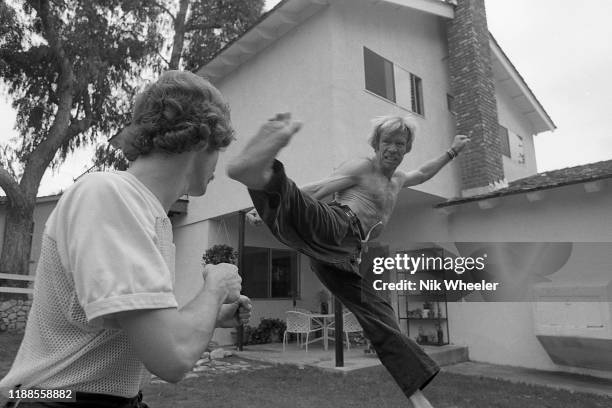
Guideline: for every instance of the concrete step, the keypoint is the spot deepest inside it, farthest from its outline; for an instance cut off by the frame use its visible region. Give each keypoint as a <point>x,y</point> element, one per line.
<point>354,359</point>
<point>447,355</point>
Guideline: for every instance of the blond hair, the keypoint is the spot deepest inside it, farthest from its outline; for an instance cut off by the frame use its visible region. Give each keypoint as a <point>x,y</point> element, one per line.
<point>391,124</point>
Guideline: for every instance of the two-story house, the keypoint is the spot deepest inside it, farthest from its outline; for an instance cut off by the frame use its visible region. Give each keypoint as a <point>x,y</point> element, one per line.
<point>337,64</point>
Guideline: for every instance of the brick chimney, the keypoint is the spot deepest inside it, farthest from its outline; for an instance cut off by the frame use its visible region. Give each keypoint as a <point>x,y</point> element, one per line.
<point>473,90</point>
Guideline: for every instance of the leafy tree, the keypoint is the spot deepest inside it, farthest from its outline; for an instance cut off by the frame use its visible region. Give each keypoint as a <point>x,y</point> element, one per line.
<point>199,30</point>
<point>71,67</point>
<point>212,24</point>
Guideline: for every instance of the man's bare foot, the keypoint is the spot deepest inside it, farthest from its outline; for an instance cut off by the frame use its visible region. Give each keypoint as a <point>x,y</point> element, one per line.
<point>418,400</point>
<point>253,166</point>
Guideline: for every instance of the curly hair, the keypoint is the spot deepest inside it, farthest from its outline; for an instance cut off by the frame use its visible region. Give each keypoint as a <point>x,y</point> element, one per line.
<point>391,124</point>
<point>180,112</point>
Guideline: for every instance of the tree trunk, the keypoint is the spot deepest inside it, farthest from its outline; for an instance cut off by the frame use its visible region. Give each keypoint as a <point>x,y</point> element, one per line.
<point>18,229</point>
<point>179,35</point>
<point>19,222</point>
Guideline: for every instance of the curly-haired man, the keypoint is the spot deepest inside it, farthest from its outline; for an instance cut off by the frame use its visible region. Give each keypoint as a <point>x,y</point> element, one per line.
<point>104,313</point>
<point>333,235</point>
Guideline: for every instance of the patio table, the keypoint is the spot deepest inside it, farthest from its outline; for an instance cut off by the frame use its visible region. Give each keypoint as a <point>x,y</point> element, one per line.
<point>324,320</point>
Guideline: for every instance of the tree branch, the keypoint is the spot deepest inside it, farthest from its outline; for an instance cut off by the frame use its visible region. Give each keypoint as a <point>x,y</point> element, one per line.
<point>78,127</point>
<point>40,158</point>
<point>10,186</point>
<point>162,57</point>
<point>87,104</point>
<point>179,35</point>
<point>161,6</point>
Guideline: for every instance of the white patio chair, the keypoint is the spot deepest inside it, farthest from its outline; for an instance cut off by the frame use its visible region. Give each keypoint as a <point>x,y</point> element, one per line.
<point>349,325</point>
<point>299,323</point>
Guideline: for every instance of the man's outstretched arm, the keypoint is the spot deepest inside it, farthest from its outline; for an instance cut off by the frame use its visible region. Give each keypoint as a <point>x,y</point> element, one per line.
<point>432,167</point>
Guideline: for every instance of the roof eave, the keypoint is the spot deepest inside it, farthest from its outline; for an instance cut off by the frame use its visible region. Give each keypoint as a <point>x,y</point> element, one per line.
<point>543,121</point>
<point>474,199</point>
<point>436,7</point>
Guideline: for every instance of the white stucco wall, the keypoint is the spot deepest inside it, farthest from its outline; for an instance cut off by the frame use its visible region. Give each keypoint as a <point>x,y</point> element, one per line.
<point>503,333</point>
<point>512,119</point>
<point>410,39</point>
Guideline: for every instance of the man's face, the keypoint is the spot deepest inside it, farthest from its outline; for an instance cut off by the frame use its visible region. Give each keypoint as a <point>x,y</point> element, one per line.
<point>391,149</point>
<point>203,172</point>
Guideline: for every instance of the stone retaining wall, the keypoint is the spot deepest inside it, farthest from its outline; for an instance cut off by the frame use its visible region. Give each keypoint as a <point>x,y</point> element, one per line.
<point>14,314</point>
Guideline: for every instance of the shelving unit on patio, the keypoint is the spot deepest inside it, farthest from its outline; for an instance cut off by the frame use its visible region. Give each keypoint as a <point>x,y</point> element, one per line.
<point>427,326</point>
<point>418,323</point>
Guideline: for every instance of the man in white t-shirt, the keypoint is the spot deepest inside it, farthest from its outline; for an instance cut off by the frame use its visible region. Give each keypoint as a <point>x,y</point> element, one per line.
<point>104,314</point>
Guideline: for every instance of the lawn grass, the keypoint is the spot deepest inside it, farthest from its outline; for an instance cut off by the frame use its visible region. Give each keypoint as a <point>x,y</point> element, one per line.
<point>288,386</point>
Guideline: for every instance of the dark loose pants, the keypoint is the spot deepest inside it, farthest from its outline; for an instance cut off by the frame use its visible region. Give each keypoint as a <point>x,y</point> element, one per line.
<point>330,237</point>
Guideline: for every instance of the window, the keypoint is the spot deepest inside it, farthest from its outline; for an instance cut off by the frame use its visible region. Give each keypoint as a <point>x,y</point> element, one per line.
<point>379,75</point>
<point>505,141</point>
<point>417,94</point>
<point>512,145</point>
<point>270,273</point>
<point>392,82</point>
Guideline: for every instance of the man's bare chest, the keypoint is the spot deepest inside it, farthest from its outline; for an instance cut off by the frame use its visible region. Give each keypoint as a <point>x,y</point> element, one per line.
<point>382,191</point>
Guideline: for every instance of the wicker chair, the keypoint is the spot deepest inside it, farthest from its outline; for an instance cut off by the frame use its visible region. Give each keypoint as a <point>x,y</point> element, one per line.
<point>299,323</point>
<point>349,325</point>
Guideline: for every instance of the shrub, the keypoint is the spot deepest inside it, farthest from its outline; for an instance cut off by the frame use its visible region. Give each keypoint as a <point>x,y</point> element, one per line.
<point>269,331</point>
<point>220,253</point>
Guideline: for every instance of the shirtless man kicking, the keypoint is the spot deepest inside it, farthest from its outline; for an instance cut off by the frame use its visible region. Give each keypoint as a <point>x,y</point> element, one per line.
<point>333,235</point>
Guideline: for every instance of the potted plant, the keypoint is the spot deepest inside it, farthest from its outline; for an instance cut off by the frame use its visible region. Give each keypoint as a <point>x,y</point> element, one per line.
<point>220,253</point>
<point>272,329</point>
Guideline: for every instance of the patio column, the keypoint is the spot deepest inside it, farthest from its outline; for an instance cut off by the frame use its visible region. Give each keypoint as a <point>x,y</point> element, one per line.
<point>241,232</point>
<point>339,332</point>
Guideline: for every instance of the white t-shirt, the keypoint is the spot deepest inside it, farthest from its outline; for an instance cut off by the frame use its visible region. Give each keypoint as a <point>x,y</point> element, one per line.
<point>107,247</point>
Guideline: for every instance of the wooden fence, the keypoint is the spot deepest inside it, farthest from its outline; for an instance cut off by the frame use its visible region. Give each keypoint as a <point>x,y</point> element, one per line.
<point>15,277</point>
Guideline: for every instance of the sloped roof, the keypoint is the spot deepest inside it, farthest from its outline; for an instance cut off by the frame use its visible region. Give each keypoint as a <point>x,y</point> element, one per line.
<point>545,180</point>
<point>508,76</point>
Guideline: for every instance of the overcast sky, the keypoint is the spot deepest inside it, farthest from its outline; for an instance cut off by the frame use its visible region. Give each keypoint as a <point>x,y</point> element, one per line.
<point>561,48</point>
